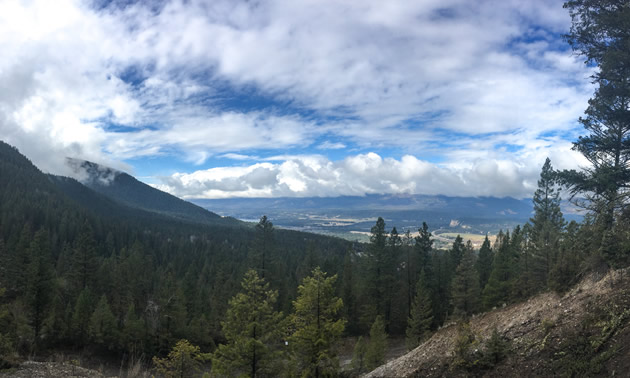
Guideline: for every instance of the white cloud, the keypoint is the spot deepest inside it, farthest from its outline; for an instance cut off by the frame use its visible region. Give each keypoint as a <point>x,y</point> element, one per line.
<point>315,175</point>
<point>427,78</point>
<point>328,145</point>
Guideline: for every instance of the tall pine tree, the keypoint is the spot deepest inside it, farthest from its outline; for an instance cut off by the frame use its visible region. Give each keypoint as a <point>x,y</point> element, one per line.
<point>253,330</point>
<point>546,226</point>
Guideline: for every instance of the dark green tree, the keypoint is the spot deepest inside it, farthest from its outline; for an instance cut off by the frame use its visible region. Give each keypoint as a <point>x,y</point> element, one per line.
<point>377,260</point>
<point>253,330</point>
<point>317,326</point>
<point>547,225</point>
<point>81,316</point>
<point>600,33</point>
<point>465,291</point>
<point>424,246</point>
<point>421,318</point>
<point>484,262</point>
<point>103,328</point>
<point>84,258</point>
<point>263,245</point>
<point>39,280</point>
<point>499,288</point>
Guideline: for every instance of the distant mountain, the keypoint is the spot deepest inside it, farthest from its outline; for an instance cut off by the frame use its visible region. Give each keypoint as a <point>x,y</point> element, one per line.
<point>123,188</point>
<point>457,207</point>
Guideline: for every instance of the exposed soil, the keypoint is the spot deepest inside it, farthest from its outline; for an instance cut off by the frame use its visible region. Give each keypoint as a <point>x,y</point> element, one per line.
<point>585,332</point>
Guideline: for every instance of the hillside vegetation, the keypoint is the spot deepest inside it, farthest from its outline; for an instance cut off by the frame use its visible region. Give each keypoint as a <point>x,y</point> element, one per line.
<point>584,332</point>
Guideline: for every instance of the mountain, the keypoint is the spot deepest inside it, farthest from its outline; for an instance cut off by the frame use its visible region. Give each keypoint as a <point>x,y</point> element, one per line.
<point>123,188</point>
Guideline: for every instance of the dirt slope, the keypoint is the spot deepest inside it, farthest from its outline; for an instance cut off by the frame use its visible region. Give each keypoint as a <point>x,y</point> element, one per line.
<point>585,332</point>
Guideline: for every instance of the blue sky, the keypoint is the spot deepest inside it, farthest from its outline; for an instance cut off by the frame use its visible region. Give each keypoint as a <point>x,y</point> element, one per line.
<point>227,98</point>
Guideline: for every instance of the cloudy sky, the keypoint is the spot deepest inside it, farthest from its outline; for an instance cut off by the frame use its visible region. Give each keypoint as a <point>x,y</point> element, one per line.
<point>229,98</point>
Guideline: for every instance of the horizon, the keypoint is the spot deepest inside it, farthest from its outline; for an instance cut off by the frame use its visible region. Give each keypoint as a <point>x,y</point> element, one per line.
<point>241,100</point>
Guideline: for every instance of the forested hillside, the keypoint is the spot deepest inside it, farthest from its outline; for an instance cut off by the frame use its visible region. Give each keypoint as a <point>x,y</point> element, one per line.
<point>81,270</point>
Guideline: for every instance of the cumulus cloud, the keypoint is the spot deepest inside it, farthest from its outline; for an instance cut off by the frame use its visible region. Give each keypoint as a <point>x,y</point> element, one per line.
<point>451,79</point>
<point>357,175</point>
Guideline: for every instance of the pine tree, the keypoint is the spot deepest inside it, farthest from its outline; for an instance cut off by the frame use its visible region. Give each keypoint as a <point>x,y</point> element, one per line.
<point>600,33</point>
<point>546,226</point>
<point>264,245</point>
<point>503,276</point>
<point>465,287</point>
<point>390,278</point>
<point>484,262</point>
<point>103,329</point>
<point>39,280</point>
<point>375,354</point>
<point>133,332</point>
<point>358,355</point>
<point>378,261</point>
<point>456,252</point>
<point>317,326</point>
<point>84,259</point>
<point>184,360</point>
<point>81,316</point>
<point>424,246</point>
<point>253,331</point>
<point>421,318</point>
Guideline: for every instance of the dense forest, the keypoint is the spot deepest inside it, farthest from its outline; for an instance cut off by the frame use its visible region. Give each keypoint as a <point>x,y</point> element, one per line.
<point>86,270</point>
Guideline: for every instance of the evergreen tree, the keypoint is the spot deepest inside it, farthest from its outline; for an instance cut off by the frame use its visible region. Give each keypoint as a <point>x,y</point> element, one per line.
<point>503,276</point>
<point>484,262</point>
<point>546,226</point>
<point>317,326</point>
<point>375,354</point>
<point>103,329</point>
<point>358,355</point>
<point>39,280</point>
<point>81,316</point>
<point>84,259</point>
<point>264,245</point>
<point>253,331</point>
<point>600,33</point>
<point>465,288</point>
<point>133,334</point>
<point>424,246</point>
<point>184,360</point>
<point>390,276</point>
<point>456,252</point>
<point>421,318</point>
<point>378,262</point>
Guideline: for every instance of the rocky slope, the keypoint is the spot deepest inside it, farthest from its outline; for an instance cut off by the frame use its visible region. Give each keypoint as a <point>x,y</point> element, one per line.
<point>585,332</point>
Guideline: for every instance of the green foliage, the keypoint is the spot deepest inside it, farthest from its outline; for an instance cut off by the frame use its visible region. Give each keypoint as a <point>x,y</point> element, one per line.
<point>419,323</point>
<point>600,33</point>
<point>103,329</point>
<point>504,273</point>
<point>253,331</point>
<point>375,354</point>
<point>466,352</point>
<point>81,316</point>
<point>359,355</point>
<point>547,225</point>
<point>39,280</point>
<point>484,262</point>
<point>184,360</point>
<point>465,291</point>
<point>317,326</point>
<point>495,350</point>
<point>8,353</point>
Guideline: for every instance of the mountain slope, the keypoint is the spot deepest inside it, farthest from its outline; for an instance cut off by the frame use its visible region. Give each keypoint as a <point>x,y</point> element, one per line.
<point>125,189</point>
<point>583,333</point>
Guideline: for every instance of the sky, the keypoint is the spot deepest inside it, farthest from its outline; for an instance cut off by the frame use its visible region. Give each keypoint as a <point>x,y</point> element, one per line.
<point>229,98</point>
